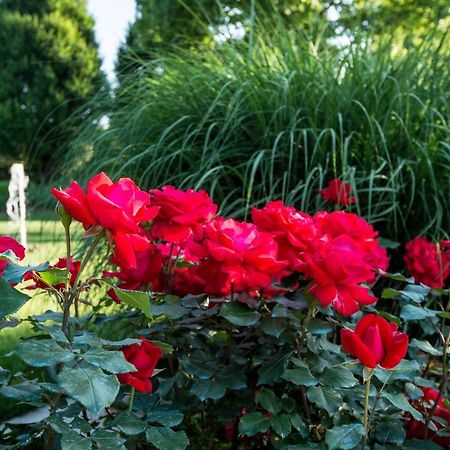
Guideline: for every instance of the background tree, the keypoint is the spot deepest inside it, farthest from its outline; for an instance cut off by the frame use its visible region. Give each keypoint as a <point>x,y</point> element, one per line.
<point>50,67</point>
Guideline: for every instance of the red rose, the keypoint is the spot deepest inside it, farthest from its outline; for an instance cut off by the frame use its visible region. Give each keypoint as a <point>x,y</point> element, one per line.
<point>295,232</point>
<point>144,357</point>
<point>8,243</point>
<point>61,264</point>
<point>182,213</point>
<point>237,256</point>
<point>119,207</point>
<point>338,192</point>
<point>427,262</point>
<point>375,341</point>
<point>416,429</point>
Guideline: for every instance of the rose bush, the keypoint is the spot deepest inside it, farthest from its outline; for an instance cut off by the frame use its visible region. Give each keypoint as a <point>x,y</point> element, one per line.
<point>286,332</point>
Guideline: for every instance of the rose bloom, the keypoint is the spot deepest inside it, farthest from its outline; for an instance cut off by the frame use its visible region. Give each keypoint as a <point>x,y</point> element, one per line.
<point>61,264</point>
<point>294,231</point>
<point>119,207</point>
<point>9,243</point>
<point>427,262</point>
<point>182,213</point>
<point>336,277</point>
<point>416,429</point>
<point>375,341</point>
<point>144,357</point>
<point>338,192</point>
<point>236,256</point>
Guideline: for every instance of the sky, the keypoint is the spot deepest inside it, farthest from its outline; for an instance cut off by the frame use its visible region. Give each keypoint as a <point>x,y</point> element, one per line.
<point>111,22</point>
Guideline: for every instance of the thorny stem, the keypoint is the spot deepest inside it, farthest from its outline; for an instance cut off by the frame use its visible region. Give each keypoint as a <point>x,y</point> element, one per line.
<point>366,416</point>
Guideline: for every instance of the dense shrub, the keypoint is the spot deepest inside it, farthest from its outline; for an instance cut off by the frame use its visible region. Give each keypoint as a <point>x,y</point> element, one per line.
<point>276,116</point>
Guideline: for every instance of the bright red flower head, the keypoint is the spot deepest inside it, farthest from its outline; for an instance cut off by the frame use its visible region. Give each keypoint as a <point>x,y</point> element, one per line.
<point>9,243</point>
<point>295,232</point>
<point>375,341</point>
<point>119,207</point>
<point>237,256</point>
<point>61,264</point>
<point>338,192</point>
<point>144,357</point>
<point>182,213</point>
<point>415,429</point>
<point>427,262</point>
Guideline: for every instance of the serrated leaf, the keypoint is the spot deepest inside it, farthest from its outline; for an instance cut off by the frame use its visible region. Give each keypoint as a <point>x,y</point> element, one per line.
<point>253,423</point>
<point>338,377</point>
<point>300,376</point>
<point>90,386</point>
<point>298,424</point>
<point>281,425</point>
<point>169,309</point>
<point>345,437</point>
<point>272,326</point>
<point>269,401</point>
<point>107,440</point>
<point>11,300</point>
<point>406,370</point>
<point>399,401</point>
<point>419,444</point>
<point>199,365</point>
<point>165,438</point>
<point>129,424</point>
<point>273,369</point>
<point>426,347</point>
<point>326,399</point>
<point>111,361</point>
<point>165,415</point>
<point>317,326</point>
<point>390,432</point>
<point>43,353</point>
<point>136,299</point>
<point>239,314</point>
<point>205,389</point>
<point>74,441</point>
<point>14,273</point>
<point>411,312</point>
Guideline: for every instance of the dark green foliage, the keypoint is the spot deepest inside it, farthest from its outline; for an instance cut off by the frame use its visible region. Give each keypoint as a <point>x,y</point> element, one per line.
<point>50,67</point>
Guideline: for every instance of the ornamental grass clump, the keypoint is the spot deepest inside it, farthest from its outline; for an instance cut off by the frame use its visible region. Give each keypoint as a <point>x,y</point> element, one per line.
<point>213,333</point>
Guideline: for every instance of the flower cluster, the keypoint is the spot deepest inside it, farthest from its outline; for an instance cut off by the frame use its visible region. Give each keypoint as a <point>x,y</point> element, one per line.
<point>172,239</point>
<point>428,262</point>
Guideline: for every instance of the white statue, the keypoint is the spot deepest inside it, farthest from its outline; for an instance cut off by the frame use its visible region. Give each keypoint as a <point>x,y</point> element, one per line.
<point>16,206</point>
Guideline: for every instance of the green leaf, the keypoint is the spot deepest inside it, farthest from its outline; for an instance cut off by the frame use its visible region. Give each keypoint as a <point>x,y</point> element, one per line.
<point>24,392</point>
<point>390,293</point>
<point>111,361</point>
<point>317,326</point>
<point>273,369</point>
<point>345,437</point>
<point>281,425</point>
<point>43,353</point>
<point>90,386</point>
<point>199,365</point>
<point>273,327</point>
<point>165,415</point>
<point>399,401</point>
<point>411,312</point>
<point>298,424</point>
<point>338,377</point>
<point>426,347</point>
<point>205,389</point>
<point>54,276</point>
<point>326,399</point>
<point>129,424</point>
<point>4,375</point>
<point>169,309</point>
<point>14,273</point>
<point>390,432</point>
<point>253,423</point>
<point>10,299</point>
<point>269,401</point>
<point>136,299</point>
<point>419,444</point>
<point>300,376</point>
<point>165,438</point>
<point>107,440</point>
<point>74,441</point>
<point>239,314</point>
<point>406,370</point>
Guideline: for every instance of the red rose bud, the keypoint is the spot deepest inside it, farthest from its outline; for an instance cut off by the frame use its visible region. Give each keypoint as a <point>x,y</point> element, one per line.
<point>120,207</point>
<point>428,262</point>
<point>415,429</point>
<point>375,341</point>
<point>338,192</point>
<point>144,357</point>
